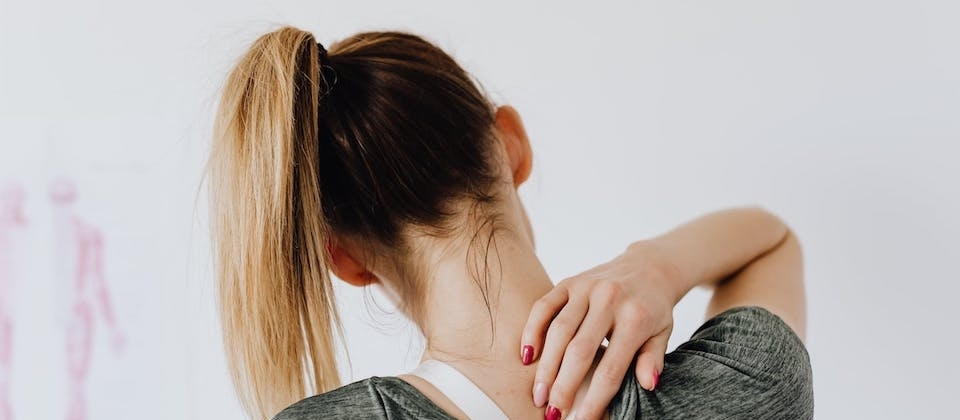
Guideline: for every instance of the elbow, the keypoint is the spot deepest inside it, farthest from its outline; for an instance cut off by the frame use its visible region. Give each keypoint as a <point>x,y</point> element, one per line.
<point>772,221</point>
<point>783,237</point>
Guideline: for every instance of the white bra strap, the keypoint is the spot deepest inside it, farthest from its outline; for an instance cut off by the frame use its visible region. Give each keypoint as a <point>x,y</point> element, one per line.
<point>459,389</point>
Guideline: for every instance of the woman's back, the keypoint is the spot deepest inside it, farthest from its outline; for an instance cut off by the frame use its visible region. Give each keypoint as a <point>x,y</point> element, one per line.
<point>743,363</point>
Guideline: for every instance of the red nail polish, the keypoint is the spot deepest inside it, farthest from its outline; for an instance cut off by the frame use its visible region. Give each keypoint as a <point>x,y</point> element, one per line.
<point>656,380</point>
<point>526,355</point>
<point>553,413</point>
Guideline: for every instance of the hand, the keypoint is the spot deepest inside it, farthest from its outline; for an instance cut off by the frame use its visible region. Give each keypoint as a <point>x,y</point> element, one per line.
<point>629,301</point>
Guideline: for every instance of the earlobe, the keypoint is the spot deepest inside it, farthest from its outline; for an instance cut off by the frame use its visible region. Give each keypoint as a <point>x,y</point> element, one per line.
<point>515,141</point>
<point>347,268</point>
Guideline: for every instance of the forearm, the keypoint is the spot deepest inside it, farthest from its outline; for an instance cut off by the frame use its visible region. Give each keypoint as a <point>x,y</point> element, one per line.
<point>712,247</point>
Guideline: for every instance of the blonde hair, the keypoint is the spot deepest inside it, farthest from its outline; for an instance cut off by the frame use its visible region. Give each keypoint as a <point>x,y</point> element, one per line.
<point>277,305</point>
<point>389,127</point>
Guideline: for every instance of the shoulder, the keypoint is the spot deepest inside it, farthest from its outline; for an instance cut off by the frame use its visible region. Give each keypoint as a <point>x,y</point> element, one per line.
<point>359,399</point>
<point>751,325</point>
<point>752,361</point>
<point>743,363</point>
<point>372,398</point>
<point>750,336</point>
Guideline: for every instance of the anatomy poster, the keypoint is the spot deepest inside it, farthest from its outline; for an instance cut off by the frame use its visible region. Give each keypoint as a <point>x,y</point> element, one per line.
<point>86,308</point>
<point>84,314</point>
<point>11,221</point>
<point>96,270</point>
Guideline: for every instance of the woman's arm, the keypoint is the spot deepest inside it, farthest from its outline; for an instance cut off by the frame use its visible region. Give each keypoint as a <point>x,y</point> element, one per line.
<point>748,255</point>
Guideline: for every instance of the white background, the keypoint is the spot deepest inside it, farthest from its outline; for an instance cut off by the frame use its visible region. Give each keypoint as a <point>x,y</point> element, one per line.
<point>842,116</point>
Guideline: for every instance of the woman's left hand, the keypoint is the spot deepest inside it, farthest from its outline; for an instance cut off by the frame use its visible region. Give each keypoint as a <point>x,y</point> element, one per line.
<point>629,301</point>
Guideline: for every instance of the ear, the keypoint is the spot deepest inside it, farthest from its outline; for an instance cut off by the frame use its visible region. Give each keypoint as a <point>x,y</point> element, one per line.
<point>514,138</point>
<point>348,268</point>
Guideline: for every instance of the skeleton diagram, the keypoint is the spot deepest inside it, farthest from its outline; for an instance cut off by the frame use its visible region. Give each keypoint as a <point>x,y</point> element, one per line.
<point>11,218</point>
<point>81,268</point>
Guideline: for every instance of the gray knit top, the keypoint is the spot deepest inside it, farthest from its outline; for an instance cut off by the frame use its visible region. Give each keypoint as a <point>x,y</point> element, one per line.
<point>744,363</point>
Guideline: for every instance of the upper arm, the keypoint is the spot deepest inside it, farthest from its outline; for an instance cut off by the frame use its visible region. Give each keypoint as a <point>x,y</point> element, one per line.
<point>773,281</point>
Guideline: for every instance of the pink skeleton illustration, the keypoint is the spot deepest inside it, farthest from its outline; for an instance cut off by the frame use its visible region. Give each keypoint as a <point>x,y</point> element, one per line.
<point>82,254</point>
<point>11,217</point>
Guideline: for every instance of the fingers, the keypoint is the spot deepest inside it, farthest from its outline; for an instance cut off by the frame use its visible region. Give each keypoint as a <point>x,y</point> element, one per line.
<point>650,362</point>
<point>578,358</point>
<point>561,331</point>
<point>539,320</point>
<point>608,376</point>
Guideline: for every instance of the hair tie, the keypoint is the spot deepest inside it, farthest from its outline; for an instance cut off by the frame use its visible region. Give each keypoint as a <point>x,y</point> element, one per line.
<point>323,51</point>
<point>328,76</point>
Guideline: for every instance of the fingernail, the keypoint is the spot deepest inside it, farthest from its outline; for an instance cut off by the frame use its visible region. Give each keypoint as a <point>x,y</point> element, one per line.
<point>656,379</point>
<point>526,355</point>
<point>539,394</point>
<point>553,413</point>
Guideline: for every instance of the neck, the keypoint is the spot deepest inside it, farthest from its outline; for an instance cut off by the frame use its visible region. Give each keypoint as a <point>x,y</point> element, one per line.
<point>480,335</point>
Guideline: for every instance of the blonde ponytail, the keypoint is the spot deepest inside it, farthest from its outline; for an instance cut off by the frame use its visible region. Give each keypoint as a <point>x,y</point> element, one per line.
<point>269,232</point>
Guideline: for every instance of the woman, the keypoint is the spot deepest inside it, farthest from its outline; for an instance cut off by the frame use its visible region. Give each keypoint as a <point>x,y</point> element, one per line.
<point>382,162</point>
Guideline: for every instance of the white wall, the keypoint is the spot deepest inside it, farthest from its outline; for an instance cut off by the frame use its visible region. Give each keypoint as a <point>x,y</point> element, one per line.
<point>843,116</point>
